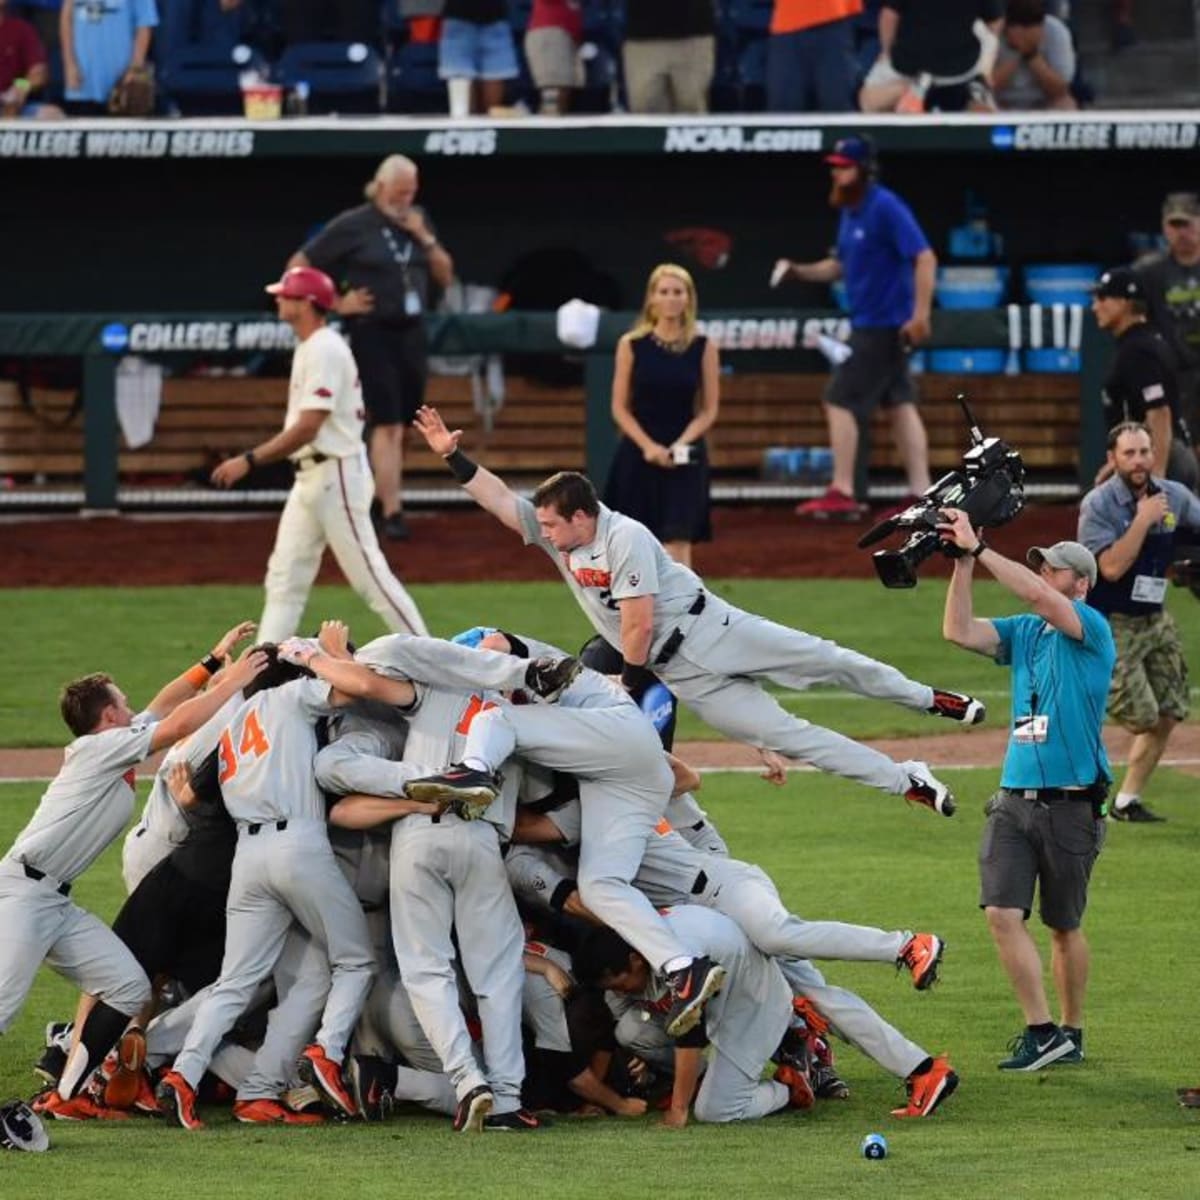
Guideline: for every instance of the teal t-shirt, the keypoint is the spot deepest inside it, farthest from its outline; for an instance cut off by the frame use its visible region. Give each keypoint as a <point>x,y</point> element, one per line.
<point>1066,682</point>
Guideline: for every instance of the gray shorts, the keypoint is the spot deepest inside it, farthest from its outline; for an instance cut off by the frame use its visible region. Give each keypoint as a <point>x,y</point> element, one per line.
<point>875,374</point>
<point>1031,842</point>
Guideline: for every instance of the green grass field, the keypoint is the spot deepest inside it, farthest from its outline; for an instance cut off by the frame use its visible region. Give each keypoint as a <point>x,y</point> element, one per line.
<point>1107,1128</point>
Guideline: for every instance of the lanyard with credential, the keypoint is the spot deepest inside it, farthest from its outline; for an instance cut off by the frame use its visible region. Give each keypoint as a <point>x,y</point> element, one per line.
<point>413,304</point>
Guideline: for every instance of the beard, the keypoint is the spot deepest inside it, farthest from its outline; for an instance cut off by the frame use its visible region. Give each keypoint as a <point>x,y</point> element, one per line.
<point>1135,480</point>
<point>848,195</point>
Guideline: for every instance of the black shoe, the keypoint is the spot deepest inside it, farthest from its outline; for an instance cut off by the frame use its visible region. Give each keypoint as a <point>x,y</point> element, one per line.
<point>827,1084</point>
<point>521,1121</point>
<point>395,527</point>
<point>54,1057</point>
<point>1136,812</point>
<point>690,989</point>
<point>474,1110</point>
<point>1076,1035</point>
<point>550,677</point>
<point>468,793</point>
<point>956,706</point>
<point>372,1083</point>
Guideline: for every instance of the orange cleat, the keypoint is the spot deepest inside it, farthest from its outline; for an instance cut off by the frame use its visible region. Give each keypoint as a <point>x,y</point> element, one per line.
<point>922,954</point>
<point>928,1088</point>
<point>271,1112</point>
<point>177,1101</point>
<point>318,1069</point>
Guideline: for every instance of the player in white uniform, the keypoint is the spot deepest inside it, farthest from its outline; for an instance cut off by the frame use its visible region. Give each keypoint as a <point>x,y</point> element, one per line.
<point>329,503</point>
<point>709,653</point>
<point>86,807</point>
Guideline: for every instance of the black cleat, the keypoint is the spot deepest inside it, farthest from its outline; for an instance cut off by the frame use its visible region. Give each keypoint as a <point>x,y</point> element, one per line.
<point>468,793</point>
<point>395,527</point>
<point>549,678</point>
<point>473,1110</point>
<point>54,1057</point>
<point>956,706</point>
<point>521,1121</point>
<point>372,1083</point>
<point>925,789</point>
<point>1136,813</point>
<point>827,1084</point>
<point>691,986</point>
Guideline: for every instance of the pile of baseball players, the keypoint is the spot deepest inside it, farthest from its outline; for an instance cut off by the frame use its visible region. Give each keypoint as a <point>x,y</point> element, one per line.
<point>466,874</point>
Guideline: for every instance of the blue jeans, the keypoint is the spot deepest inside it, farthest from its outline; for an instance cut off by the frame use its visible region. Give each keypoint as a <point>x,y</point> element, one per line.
<point>812,70</point>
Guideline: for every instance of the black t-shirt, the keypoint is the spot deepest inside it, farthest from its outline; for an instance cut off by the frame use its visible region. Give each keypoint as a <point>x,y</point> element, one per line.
<point>652,20</point>
<point>362,248</point>
<point>935,36</point>
<point>206,855</point>
<point>1142,378</point>
<point>1173,300</point>
<point>478,12</point>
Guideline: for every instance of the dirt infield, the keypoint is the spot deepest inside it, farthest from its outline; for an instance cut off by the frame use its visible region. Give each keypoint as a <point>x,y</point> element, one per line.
<point>446,547</point>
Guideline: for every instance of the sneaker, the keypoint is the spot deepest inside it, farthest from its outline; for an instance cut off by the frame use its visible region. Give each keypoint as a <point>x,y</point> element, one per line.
<point>835,505</point>
<point>465,791</point>
<point>177,1101</point>
<point>79,1108</point>
<point>1136,812</point>
<point>827,1084</point>
<point>691,986</point>
<point>1076,1036</point>
<point>798,1084</point>
<point>921,954</point>
<point>473,1109</point>
<point>395,527</point>
<point>372,1083</point>
<point>549,677</point>
<point>1188,1097</point>
<point>925,789</point>
<point>955,706</point>
<point>271,1112</point>
<point>123,1082</point>
<point>1029,1051</point>
<point>521,1121</point>
<point>928,1088</point>
<point>317,1068</point>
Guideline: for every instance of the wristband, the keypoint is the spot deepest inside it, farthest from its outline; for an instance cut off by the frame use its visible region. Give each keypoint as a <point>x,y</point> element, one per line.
<point>211,663</point>
<point>251,460</point>
<point>562,893</point>
<point>980,547</point>
<point>197,676</point>
<point>636,679</point>
<point>461,467</point>
<point>22,85</point>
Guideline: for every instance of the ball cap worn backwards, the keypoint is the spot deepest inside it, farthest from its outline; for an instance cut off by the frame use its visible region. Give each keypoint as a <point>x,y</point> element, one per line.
<point>1065,554</point>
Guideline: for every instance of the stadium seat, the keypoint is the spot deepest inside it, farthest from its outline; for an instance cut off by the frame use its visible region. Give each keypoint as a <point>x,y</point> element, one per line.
<point>204,79</point>
<point>413,85</point>
<point>341,76</point>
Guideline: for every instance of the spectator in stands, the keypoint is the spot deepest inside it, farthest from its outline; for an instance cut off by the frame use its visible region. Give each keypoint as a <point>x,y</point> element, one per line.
<point>810,56</point>
<point>659,474</point>
<point>388,256</point>
<point>187,23</point>
<point>476,55</point>
<point>934,55</point>
<point>43,16</point>
<point>889,270</point>
<point>326,20</point>
<point>1141,385</point>
<point>1036,60</point>
<point>552,51</point>
<point>670,53</point>
<point>101,44</point>
<point>23,71</point>
<point>1172,284</point>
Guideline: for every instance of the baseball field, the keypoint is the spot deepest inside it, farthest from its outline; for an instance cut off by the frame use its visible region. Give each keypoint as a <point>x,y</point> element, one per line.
<point>1108,1127</point>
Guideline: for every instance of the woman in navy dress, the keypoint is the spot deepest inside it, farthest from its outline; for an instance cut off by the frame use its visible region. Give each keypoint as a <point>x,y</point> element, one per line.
<point>664,400</point>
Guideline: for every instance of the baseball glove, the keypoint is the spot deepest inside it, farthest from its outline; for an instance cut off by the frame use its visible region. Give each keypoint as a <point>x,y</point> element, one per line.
<point>133,95</point>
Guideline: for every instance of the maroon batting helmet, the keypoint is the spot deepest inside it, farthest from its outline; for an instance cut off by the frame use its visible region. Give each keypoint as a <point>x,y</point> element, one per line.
<point>306,283</point>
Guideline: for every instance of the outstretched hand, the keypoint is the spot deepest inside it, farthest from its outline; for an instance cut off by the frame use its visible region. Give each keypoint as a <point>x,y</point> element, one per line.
<point>334,639</point>
<point>243,629</point>
<point>777,767</point>
<point>433,429</point>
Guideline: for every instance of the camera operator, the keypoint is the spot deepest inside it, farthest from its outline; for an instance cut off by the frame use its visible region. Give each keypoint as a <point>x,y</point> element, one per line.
<point>1129,523</point>
<point>1044,826</point>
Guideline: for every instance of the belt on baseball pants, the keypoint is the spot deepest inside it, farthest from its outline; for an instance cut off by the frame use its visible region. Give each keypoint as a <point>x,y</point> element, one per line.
<point>671,646</point>
<point>701,883</point>
<point>310,460</point>
<point>63,889</point>
<point>1049,795</point>
<point>259,826</point>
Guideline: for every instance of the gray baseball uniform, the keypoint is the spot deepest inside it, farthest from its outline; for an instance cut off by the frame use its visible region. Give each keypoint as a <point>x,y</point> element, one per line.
<point>283,868</point>
<point>712,655</point>
<point>694,825</point>
<point>83,810</point>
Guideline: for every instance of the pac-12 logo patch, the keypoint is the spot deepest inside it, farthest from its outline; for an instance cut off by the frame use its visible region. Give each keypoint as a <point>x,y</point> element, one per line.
<point>634,579</point>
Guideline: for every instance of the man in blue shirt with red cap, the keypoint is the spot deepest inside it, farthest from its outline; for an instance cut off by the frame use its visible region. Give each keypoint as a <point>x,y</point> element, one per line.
<point>889,269</point>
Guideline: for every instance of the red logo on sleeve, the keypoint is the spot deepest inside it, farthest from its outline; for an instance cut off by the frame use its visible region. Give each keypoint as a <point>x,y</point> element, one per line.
<point>130,777</point>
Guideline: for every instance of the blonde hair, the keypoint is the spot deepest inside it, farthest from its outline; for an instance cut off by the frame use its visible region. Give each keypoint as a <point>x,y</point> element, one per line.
<point>391,167</point>
<point>645,321</point>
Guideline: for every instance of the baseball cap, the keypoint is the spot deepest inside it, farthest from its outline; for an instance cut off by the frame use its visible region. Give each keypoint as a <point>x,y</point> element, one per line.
<point>1119,283</point>
<point>856,151</point>
<point>306,283</point>
<point>1065,554</point>
<point>1181,206</point>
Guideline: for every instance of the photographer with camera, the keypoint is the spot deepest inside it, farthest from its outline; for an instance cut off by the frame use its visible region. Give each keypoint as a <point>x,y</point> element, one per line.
<point>1130,523</point>
<point>1045,824</point>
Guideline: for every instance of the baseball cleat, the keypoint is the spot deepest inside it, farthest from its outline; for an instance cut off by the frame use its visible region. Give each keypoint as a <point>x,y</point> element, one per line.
<point>827,1084</point>
<point>177,1101</point>
<point>956,706</point>
<point>79,1108</point>
<point>317,1068</point>
<point>473,1109</point>
<point>461,789</point>
<point>928,1088</point>
<point>372,1083</point>
<point>691,986</point>
<point>1188,1097</point>
<point>925,789</point>
<point>795,1078</point>
<point>1136,812</point>
<point>922,954</point>
<point>54,1057</point>
<point>549,678</point>
<point>521,1121</point>
<point>271,1112</point>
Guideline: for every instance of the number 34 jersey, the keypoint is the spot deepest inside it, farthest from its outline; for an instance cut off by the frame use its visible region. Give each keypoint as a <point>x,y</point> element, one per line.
<point>266,754</point>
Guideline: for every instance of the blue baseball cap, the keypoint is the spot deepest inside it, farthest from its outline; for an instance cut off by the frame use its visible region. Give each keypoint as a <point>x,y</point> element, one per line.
<point>855,151</point>
<point>473,636</point>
